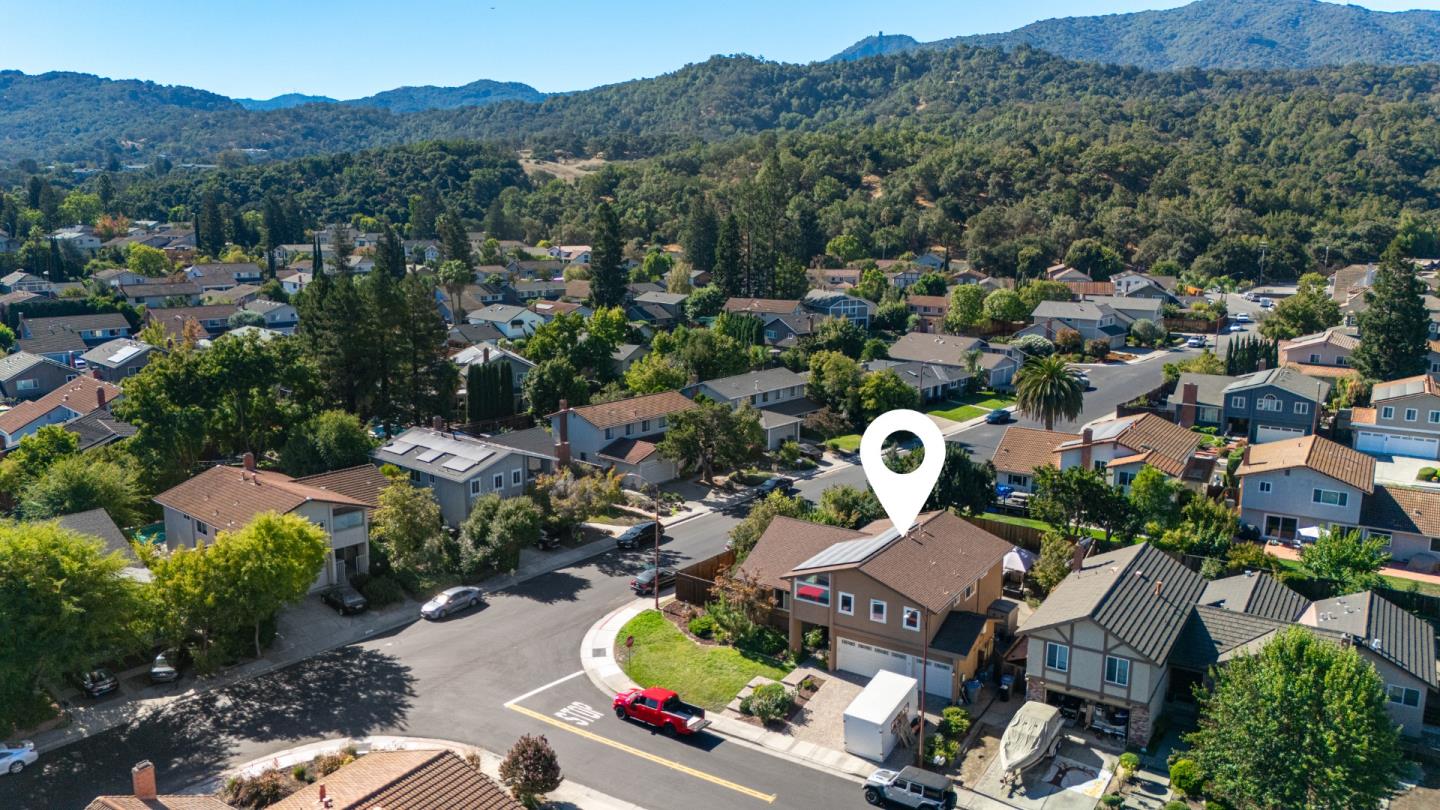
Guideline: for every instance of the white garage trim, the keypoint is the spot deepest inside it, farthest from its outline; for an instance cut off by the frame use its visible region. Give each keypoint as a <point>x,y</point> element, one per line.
<point>865,660</point>
<point>1275,433</point>
<point>1367,441</point>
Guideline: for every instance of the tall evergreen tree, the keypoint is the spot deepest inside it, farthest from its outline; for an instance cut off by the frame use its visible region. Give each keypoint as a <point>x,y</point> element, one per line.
<point>1394,328</point>
<point>454,241</point>
<point>390,253</point>
<point>210,226</point>
<point>388,319</point>
<point>607,275</point>
<point>429,379</point>
<point>701,231</point>
<point>726,272</point>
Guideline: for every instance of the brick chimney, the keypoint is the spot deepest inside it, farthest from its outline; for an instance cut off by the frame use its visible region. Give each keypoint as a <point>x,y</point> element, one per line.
<point>437,422</point>
<point>248,462</point>
<point>485,355</point>
<point>95,372</point>
<point>100,396</point>
<point>1187,412</point>
<point>562,431</point>
<point>1077,557</point>
<point>1086,437</point>
<point>142,781</point>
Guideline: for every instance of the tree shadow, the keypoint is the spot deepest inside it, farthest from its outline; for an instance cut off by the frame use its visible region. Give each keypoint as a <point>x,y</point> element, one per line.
<point>556,586</point>
<point>628,562</point>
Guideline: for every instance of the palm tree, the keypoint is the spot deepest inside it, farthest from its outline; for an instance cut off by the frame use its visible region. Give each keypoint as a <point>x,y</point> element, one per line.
<point>1046,389</point>
<point>453,275</point>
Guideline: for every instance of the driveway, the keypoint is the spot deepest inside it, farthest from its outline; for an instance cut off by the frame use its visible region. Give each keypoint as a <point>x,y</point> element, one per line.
<point>1402,470</point>
<point>1074,779</point>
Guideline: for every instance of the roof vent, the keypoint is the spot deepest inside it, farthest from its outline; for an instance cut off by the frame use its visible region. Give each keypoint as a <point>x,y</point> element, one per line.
<point>1375,644</point>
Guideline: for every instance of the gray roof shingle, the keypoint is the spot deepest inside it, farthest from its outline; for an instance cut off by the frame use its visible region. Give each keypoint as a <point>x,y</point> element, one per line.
<point>1256,593</point>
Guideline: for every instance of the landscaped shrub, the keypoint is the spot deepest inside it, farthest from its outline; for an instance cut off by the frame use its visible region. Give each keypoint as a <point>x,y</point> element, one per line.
<point>788,455</point>
<point>1425,474</point>
<point>260,790</point>
<point>815,638</point>
<point>1130,761</point>
<point>326,764</point>
<point>764,640</point>
<point>1185,777</point>
<point>954,722</point>
<point>1176,805</point>
<point>1112,800</point>
<point>382,591</point>
<point>771,702</point>
<point>1068,341</point>
<point>299,774</point>
<point>940,750</point>
<point>702,626</point>
<point>1097,348</point>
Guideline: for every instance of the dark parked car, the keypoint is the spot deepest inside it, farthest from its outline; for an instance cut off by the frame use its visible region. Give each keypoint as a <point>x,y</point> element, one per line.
<point>344,599</point>
<point>166,666</point>
<point>98,681</point>
<point>640,534</point>
<point>644,582</point>
<point>785,486</point>
<point>999,416</point>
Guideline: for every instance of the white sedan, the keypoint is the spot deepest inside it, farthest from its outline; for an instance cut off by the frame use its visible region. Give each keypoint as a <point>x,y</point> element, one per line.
<point>14,757</point>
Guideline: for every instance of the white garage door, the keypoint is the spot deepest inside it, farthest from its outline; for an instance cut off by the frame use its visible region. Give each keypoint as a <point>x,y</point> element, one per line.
<point>865,660</point>
<point>1413,446</point>
<point>1267,433</point>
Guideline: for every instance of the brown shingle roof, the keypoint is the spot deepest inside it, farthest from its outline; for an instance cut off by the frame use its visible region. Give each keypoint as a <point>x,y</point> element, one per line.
<point>230,497</point>
<point>628,451</point>
<point>1401,509</point>
<point>404,780</point>
<point>1314,452</point>
<point>786,543</point>
<point>1161,443</point>
<point>79,395</point>
<point>1090,287</point>
<point>1024,449</point>
<point>635,409</point>
<point>768,305</point>
<point>1362,416</point>
<point>937,559</point>
<point>176,802</point>
<point>362,482</point>
<point>936,301</point>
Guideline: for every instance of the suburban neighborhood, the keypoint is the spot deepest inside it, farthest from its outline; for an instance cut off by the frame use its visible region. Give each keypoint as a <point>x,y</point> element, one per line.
<point>525,469</point>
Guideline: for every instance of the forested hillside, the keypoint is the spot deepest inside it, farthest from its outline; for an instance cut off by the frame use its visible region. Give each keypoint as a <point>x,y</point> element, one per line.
<point>1213,34</point>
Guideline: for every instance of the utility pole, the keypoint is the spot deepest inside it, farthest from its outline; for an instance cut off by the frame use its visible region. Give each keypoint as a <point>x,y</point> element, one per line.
<point>924,670</point>
<point>656,496</point>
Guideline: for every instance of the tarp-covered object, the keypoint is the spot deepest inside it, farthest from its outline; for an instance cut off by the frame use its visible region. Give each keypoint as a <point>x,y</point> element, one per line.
<point>1030,737</point>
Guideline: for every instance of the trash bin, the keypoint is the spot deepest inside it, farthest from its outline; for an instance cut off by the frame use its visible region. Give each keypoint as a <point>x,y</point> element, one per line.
<point>1007,681</point>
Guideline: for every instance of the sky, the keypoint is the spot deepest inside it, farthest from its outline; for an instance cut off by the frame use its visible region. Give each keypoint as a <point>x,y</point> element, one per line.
<point>262,48</point>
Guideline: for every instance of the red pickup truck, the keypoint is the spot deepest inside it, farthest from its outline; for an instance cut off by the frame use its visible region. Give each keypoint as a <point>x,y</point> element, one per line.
<point>662,708</point>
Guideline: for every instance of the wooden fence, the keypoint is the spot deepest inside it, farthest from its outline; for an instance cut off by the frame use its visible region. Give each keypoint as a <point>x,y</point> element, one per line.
<point>1195,325</point>
<point>1026,537</point>
<point>695,583</point>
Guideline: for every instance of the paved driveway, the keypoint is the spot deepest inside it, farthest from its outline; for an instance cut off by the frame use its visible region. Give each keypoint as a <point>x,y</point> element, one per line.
<point>1402,470</point>
<point>1074,779</point>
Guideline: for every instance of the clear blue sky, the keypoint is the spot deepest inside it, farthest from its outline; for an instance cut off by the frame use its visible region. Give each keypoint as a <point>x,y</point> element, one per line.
<point>262,48</point>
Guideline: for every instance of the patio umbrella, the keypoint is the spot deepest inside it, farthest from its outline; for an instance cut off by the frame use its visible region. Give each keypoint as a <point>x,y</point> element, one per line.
<point>1019,560</point>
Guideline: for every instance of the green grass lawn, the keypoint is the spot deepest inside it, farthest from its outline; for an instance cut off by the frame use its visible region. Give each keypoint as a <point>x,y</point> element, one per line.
<point>708,677</point>
<point>1032,523</point>
<point>850,442</point>
<point>1398,583</point>
<point>968,407</point>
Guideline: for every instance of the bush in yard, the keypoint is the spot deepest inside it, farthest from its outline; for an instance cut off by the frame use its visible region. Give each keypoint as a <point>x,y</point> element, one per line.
<point>771,702</point>
<point>815,639</point>
<point>261,790</point>
<point>299,774</point>
<point>326,764</point>
<point>1097,348</point>
<point>531,770</point>
<point>1034,345</point>
<point>702,626</point>
<point>954,722</point>
<point>765,641</point>
<point>1068,341</point>
<point>382,591</point>
<point>788,454</point>
<point>1112,800</point>
<point>1185,777</point>
<point>1176,805</point>
<point>938,747</point>
<point>1425,474</point>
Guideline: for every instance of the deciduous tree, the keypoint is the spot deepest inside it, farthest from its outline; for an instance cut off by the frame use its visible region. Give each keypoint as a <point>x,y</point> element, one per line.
<point>712,436</point>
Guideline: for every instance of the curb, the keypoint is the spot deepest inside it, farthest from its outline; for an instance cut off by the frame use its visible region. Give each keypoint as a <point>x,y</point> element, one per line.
<point>569,793</point>
<point>597,657</point>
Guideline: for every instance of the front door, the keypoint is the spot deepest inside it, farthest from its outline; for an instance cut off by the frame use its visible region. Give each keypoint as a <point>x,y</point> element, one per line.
<point>347,563</point>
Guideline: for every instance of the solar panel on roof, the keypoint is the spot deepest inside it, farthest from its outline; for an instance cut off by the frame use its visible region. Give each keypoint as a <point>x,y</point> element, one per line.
<point>398,448</point>
<point>123,354</point>
<point>849,551</point>
<point>459,464</point>
<point>430,455</point>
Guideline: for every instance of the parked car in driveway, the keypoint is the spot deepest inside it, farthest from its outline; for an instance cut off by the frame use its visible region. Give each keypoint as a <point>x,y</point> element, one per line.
<point>15,757</point>
<point>1196,342</point>
<point>98,681</point>
<point>909,787</point>
<point>345,599</point>
<point>640,533</point>
<point>166,666</point>
<point>785,486</point>
<point>451,600</point>
<point>644,582</point>
<point>999,416</point>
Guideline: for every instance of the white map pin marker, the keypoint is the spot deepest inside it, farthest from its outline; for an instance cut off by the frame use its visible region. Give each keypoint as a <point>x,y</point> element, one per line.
<point>902,494</point>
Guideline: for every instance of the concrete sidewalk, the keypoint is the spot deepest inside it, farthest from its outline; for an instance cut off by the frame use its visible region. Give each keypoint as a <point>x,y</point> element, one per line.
<point>568,794</point>
<point>304,630</point>
<point>597,656</point>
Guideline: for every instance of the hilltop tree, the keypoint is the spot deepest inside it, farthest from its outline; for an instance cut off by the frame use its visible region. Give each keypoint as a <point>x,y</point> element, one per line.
<point>607,274</point>
<point>1394,324</point>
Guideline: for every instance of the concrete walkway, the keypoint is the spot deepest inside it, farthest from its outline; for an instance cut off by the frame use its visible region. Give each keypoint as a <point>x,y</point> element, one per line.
<point>597,656</point>
<point>303,630</point>
<point>568,794</point>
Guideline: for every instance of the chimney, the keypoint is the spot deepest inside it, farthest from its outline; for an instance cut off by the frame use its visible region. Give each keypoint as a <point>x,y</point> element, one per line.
<point>485,355</point>
<point>100,396</point>
<point>562,429</point>
<point>437,422</point>
<point>1159,583</point>
<point>1187,412</point>
<point>1086,437</point>
<point>1077,557</point>
<point>95,372</point>
<point>248,462</point>
<point>1260,365</point>
<point>142,781</point>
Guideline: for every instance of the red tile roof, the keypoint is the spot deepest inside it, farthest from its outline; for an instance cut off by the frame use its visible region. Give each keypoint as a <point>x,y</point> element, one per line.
<point>1023,449</point>
<point>228,498</point>
<point>1313,452</point>
<point>80,395</point>
<point>404,780</point>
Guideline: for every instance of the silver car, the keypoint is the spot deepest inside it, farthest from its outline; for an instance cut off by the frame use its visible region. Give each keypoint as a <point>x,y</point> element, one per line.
<point>451,600</point>
<point>910,787</point>
<point>14,757</point>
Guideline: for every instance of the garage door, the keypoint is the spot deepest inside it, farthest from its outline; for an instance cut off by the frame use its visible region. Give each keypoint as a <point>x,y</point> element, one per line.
<point>865,660</point>
<point>1415,447</point>
<point>1267,433</point>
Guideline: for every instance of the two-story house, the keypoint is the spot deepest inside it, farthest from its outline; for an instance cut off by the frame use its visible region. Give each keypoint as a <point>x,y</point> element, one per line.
<point>1131,309</point>
<point>930,310</point>
<point>66,337</point>
<point>487,353</point>
<point>915,604</point>
<point>512,321</point>
<point>70,401</point>
<point>26,376</point>
<point>1093,321</point>
<point>778,394</point>
<point>1022,451</point>
<point>764,306</point>
<point>833,304</point>
<point>1064,272</point>
<point>784,331</point>
<point>279,317</point>
<point>1199,400</point>
<point>1323,354</point>
<point>621,435</point>
<point>1130,284</point>
<point>1403,420</point>
<point>156,294</point>
<point>1274,404</point>
<point>217,276</point>
<point>117,359</point>
<point>1121,447</point>
<point>996,364</point>
<point>213,319</point>
<point>224,499</point>
<point>1304,483</point>
<point>21,281</point>
<point>460,469</point>
<point>836,278</point>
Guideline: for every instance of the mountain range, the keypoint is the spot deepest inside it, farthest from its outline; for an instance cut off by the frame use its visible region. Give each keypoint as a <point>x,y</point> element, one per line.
<point>412,99</point>
<point>1258,34</point>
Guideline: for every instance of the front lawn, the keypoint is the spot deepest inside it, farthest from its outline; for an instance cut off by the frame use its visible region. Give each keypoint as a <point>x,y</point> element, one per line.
<point>963,409</point>
<point>848,443</point>
<point>1098,534</point>
<point>707,676</point>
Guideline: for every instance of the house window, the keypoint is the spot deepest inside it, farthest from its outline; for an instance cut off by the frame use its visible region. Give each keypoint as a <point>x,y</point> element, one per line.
<point>1266,486</point>
<point>348,519</point>
<point>1435,544</point>
<point>1342,360</point>
<point>1237,402</point>
<point>629,429</point>
<point>1387,412</point>
<point>1411,414</point>
<point>1124,478</point>
<point>1057,657</point>
<point>515,477</point>
<point>202,528</point>
<point>1314,358</point>
<point>475,487</point>
<point>1403,695</point>
<point>1017,480</point>
<point>1302,407</point>
<point>969,591</point>
<point>1329,497</point>
<point>846,604</point>
<point>1099,466</point>
<point>661,423</point>
<point>814,589</point>
<point>877,611</point>
<point>609,433</point>
<point>1435,417</point>
<point>1384,536</point>
<point>26,385</point>
<point>498,482</point>
<point>1117,670</point>
<point>1269,403</point>
<point>910,619</point>
<point>430,479</point>
<point>1281,527</point>
<point>645,426</point>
